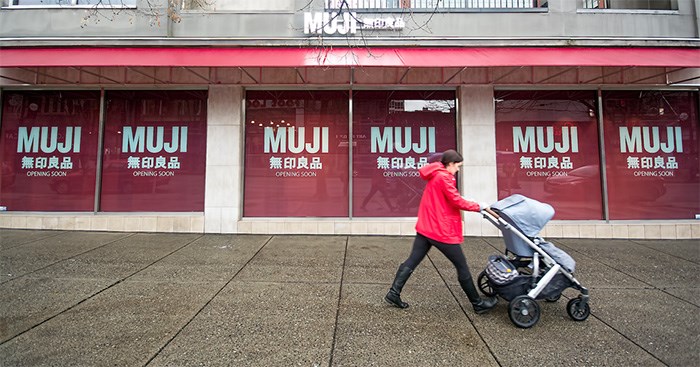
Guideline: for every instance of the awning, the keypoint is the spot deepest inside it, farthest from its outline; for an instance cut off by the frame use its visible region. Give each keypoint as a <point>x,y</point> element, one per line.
<point>339,57</point>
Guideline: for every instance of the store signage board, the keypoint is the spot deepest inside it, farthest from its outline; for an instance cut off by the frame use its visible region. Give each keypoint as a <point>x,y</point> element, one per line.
<point>334,23</point>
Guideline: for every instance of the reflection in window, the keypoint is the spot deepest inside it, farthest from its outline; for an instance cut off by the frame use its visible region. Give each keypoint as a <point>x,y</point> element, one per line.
<point>547,149</point>
<point>154,151</point>
<point>631,4</point>
<point>652,151</point>
<point>296,154</point>
<point>47,150</point>
<point>394,134</point>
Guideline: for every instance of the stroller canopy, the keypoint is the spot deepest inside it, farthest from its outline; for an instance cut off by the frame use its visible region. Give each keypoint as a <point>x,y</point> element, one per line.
<point>529,215</point>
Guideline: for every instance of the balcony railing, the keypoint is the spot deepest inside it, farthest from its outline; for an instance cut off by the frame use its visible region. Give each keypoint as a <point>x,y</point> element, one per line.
<point>429,5</point>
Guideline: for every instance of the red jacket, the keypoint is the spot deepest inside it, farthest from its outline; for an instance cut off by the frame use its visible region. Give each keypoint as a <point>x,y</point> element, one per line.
<point>439,211</point>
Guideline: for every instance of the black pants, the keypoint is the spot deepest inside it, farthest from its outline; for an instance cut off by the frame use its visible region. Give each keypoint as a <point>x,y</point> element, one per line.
<point>421,246</point>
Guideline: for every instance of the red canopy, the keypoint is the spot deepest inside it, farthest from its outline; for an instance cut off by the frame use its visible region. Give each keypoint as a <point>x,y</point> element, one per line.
<point>360,56</point>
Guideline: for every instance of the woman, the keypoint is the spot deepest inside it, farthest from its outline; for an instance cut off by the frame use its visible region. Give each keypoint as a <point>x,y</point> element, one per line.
<point>440,225</point>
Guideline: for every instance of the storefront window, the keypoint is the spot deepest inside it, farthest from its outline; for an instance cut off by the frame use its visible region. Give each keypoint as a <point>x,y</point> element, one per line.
<point>154,154</point>
<point>49,150</point>
<point>547,149</point>
<point>296,155</point>
<point>394,134</point>
<point>652,150</point>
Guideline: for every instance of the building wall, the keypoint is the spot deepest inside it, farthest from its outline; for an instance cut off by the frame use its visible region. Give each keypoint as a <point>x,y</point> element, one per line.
<point>282,24</point>
<point>278,23</point>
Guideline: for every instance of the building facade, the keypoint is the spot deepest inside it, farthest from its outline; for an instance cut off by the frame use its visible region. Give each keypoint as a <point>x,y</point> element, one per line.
<point>312,117</point>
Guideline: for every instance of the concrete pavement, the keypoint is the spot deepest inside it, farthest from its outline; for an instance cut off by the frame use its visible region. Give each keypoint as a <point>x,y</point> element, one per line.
<point>142,299</point>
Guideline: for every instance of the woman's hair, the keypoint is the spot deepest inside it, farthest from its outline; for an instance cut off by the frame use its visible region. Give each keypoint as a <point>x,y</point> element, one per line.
<point>450,156</point>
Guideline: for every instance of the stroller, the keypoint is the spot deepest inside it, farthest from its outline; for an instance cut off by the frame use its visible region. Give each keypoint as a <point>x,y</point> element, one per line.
<point>535,269</point>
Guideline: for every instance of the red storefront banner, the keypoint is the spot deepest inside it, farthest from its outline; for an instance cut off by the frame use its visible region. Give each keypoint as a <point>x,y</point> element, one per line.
<point>154,154</point>
<point>652,154</point>
<point>49,150</point>
<point>394,134</point>
<point>547,149</point>
<point>296,155</point>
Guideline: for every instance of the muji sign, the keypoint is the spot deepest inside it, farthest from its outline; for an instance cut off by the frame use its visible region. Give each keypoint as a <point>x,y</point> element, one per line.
<point>46,139</point>
<point>399,139</point>
<point>153,139</point>
<point>649,138</point>
<point>540,139</point>
<point>347,23</point>
<point>294,140</point>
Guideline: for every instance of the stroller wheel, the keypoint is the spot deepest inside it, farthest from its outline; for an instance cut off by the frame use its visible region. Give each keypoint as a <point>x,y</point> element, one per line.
<point>524,311</point>
<point>485,285</point>
<point>576,312</point>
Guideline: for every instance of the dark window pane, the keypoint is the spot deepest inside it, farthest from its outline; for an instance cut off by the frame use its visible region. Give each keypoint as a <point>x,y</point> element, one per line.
<point>296,155</point>
<point>652,150</point>
<point>394,134</point>
<point>49,150</point>
<point>547,149</point>
<point>154,151</point>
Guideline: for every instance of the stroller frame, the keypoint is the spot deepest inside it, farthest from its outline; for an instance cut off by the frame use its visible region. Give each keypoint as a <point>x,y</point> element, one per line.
<point>523,309</point>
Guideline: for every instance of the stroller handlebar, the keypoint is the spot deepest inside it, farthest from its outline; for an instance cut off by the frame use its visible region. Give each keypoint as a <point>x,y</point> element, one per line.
<point>493,213</point>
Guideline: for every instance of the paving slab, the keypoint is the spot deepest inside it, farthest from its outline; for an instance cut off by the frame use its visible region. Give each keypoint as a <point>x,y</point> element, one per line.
<point>298,259</point>
<point>27,301</point>
<point>43,294</point>
<point>212,258</point>
<point>375,260</point>
<point>659,323</point>
<point>21,260</point>
<point>643,263</point>
<point>433,331</point>
<point>683,249</point>
<point>594,274</point>
<point>259,324</point>
<point>121,258</point>
<point>556,340</point>
<point>10,238</point>
<point>688,294</point>
<point>123,326</point>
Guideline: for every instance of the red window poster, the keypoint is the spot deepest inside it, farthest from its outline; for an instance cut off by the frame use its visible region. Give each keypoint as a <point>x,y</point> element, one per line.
<point>296,154</point>
<point>652,154</point>
<point>154,154</point>
<point>394,134</point>
<point>49,150</point>
<point>547,149</point>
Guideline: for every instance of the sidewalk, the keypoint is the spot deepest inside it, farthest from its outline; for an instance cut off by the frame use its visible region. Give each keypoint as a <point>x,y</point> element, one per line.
<point>138,299</point>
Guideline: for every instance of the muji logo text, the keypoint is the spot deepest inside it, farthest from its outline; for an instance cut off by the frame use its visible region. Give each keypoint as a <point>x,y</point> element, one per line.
<point>152,138</point>
<point>648,138</point>
<point>45,138</point>
<point>541,139</point>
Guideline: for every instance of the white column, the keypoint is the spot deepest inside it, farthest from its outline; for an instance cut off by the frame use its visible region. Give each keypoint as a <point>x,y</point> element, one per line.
<point>477,143</point>
<point>223,194</point>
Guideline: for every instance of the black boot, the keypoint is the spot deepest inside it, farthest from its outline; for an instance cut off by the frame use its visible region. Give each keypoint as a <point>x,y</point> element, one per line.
<point>480,305</point>
<point>393,297</point>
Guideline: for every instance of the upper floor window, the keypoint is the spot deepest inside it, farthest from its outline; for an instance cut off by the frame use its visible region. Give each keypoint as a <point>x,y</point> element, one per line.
<point>429,5</point>
<point>631,4</point>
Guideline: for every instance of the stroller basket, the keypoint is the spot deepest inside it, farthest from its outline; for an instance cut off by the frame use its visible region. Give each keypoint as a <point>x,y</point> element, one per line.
<point>523,283</point>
